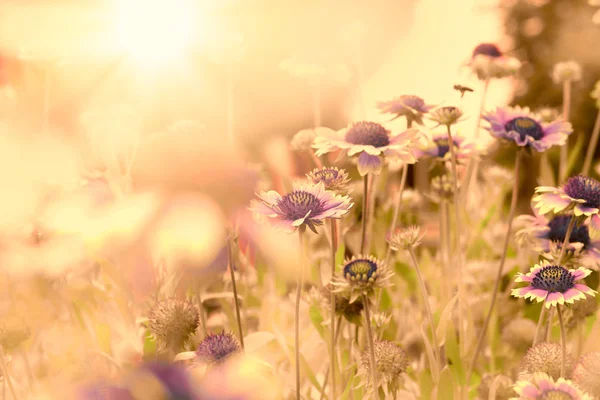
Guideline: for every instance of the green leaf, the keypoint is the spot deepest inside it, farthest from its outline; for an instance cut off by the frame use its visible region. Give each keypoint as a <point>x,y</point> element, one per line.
<point>149,344</point>
<point>446,387</point>
<point>445,318</point>
<point>317,319</point>
<point>426,384</point>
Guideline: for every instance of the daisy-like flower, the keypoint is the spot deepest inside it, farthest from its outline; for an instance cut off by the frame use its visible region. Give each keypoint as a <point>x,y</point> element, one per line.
<point>409,106</point>
<point>567,71</point>
<point>448,115</point>
<point>371,142</point>
<point>488,62</point>
<point>581,194</point>
<point>439,148</point>
<point>405,238</point>
<point>307,205</point>
<point>333,178</point>
<point>541,231</point>
<point>303,139</point>
<point>543,387</point>
<point>553,284</point>
<point>361,275</point>
<point>525,129</point>
<point>217,348</point>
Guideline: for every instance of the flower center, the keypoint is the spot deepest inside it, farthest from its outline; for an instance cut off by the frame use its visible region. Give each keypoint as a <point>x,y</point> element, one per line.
<point>326,175</point>
<point>297,204</point>
<point>413,102</point>
<point>487,49</point>
<point>553,278</point>
<point>368,133</point>
<point>443,146</point>
<point>525,126</point>
<point>360,269</point>
<point>584,188</point>
<point>556,395</point>
<point>558,230</point>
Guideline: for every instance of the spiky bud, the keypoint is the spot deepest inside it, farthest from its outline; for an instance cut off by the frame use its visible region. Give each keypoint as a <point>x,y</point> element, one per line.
<point>391,362</point>
<point>545,357</point>
<point>172,322</point>
<point>406,238</point>
<point>217,348</point>
<point>587,373</point>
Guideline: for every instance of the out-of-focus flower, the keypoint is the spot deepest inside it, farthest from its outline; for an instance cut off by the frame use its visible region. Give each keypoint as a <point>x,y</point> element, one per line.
<point>391,362</point>
<point>596,93</point>
<point>162,381</point>
<point>448,115</point>
<point>333,178</point>
<point>172,322</point>
<point>545,358</point>
<point>542,231</point>
<point>409,106</point>
<point>519,333</point>
<point>488,62</point>
<point>441,188</point>
<point>502,386</point>
<point>361,275</point>
<point>303,139</point>
<point>553,284</point>
<point>587,373</point>
<point>406,238</point>
<point>542,386</point>
<point>439,148</point>
<point>307,205</point>
<point>104,391</point>
<point>581,194</point>
<point>548,114</point>
<point>217,348</point>
<point>525,129</point>
<point>371,141</point>
<point>352,312</point>
<point>567,71</point>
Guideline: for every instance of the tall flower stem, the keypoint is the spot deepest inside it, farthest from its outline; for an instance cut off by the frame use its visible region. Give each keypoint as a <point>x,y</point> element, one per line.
<point>473,162</point>
<point>591,147</point>
<point>334,246</point>
<point>7,377</point>
<point>371,343</point>
<point>411,251</point>
<point>538,328</point>
<point>230,105</point>
<point>564,150</point>
<point>565,243</point>
<point>234,288</point>
<point>326,379</point>
<point>397,208</point>
<point>511,214</point>
<point>563,340</point>
<point>297,313</point>
<point>365,215</point>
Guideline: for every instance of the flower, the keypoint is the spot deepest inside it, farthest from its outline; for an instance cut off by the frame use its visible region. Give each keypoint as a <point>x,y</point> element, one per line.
<point>172,322</point>
<point>216,348</point>
<point>587,373</point>
<point>519,125</point>
<point>405,238</point>
<point>446,115</point>
<point>371,141</point>
<point>307,205</point>
<point>409,106</point>
<point>488,62</point>
<point>303,139</point>
<point>333,178</point>
<point>581,194</point>
<point>545,357</point>
<point>441,188</point>
<point>440,148</point>
<point>155,380</point>
<point>553,284</point>
<point>567,71</point>
<point>548,114</point>
<point>361,275</point>
<point>391,362</point>
<point>542,231</point>
<point>543,387</point>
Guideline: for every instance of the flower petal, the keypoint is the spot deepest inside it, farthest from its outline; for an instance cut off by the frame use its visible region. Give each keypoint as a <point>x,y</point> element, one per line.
<point>369,164</point>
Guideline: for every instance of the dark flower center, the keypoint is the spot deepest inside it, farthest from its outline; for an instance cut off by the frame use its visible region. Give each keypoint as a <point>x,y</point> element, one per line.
<point>525,126</point>
<point>368,133</point>
<point>584,188</point>
<point>553,278</point>
<point>556,395</point>
<point>360,269</point>
<point>443,146</point>
<point>297,204</point>
<point>326,175</point>
<point>558,230</point>
<point>487,49</point>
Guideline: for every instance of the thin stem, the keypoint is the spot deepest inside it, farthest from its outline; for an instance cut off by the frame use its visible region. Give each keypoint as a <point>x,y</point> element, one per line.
<point>201,311</point>
<point>335,339</point>
<point>565,242</point>
<point>564,150</point>
<point>397,208</point>
<point>563,340</point>
<point>374,382</point>
<point>230,105</point>
<point>580,337</point>
<point>548,329</point>
<point>591,150</point>
<point>365,214</point>
<point>234,288</point>
<point>427,307</point>
<point>486,86</point>
<point>315,159</point>
<point>297,314</point>
<point>511,214</point>
<point>6,374</point>
<point>334,245</point>
<point>538,328</point>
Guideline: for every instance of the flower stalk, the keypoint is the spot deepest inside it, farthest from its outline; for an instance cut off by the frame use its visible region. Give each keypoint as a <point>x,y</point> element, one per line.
<point>332,367</point>
<point>592,146</point>
<point>371,342</point>
<point>236,303</point>
<point>297,312</point>
<point>563,340</point>
<point>564,150</point>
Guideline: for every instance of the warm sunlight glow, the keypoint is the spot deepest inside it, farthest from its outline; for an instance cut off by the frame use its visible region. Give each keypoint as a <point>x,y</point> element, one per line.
<point>157,32</point>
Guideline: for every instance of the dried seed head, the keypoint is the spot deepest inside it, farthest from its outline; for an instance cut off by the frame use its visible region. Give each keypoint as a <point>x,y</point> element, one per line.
<point>587,373</point>
<point>391,362</point>
<point>172,322</point>
<point>406,238</point>
<point>545,357</point>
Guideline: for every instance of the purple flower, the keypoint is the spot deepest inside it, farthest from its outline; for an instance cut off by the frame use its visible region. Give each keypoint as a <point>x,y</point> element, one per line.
<point>307,205</point>
<point>216,348</point>
<point>439,147</point>
<point>409,106</point>
<point>371,142</point>
<point>175,380</point>
<point>488,62</point>
<point>543,387</point>
<point>487,49</point>
<point>526,129</point>
<point>333,178</point>
<point>103,391</point>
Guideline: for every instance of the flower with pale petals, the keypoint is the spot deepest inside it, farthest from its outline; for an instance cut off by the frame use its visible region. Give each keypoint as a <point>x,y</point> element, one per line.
<point>371,142</point>
<point>525,129</point>
<point>448,115</point>
<point>303,139</point>
<point>361,276</point>
<point>567,71</point>
<point>439,148</point>
<point>307,205</point>
<point>409,106</point>
<point>553,284</point>
<point>333,178</point>
<point>405,238</point>
<point>488,62</point>
<point>543,387</point>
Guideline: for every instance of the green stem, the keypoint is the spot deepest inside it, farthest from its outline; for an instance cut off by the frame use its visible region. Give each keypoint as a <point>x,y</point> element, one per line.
<point>563,340</point>
<point>397,208</point>
<point>326,378</point>
<point>365,214</point>
<point>297,315</point>
<point>564,149</point>
<point>334,245</point>
<point>374,381</point>
<point>234,288</point>
<point>565,242</point>
<point>511,214</point>
<point>591,147</point>
<point>538,328</point>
